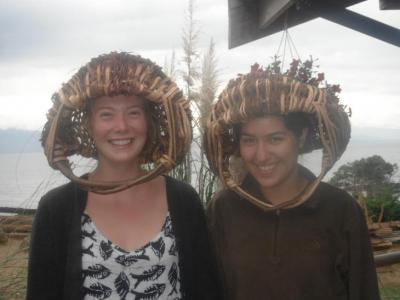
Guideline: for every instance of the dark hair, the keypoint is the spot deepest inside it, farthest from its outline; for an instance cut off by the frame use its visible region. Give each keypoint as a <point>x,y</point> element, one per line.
<point>295,122</point>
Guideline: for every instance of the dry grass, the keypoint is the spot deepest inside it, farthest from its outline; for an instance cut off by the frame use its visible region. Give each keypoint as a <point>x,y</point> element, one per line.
<point>14,255</point>
<point>389,282</point>
<point>389,279</point>
<point>13,265</point>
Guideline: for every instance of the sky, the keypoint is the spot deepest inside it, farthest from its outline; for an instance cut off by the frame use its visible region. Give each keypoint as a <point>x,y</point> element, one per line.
<point>44,42</point>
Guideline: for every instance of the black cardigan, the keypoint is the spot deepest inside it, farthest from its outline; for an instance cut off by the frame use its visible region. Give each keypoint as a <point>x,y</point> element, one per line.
<point>55,261</point>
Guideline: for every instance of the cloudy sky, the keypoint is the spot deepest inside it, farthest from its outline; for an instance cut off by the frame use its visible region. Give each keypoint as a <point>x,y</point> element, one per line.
<point>43,42</point>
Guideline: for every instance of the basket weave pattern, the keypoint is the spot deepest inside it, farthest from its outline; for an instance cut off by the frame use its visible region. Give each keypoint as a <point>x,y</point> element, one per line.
<point>260,93</point>
<point>66,132</point>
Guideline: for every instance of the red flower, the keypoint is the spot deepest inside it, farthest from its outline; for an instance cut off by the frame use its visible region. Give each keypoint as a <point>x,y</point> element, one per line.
<point>254,68</point>
<point>336,88</point>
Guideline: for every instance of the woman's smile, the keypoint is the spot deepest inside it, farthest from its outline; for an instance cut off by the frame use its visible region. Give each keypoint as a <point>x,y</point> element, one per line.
<point>121,142</point>
<point>266,169</point>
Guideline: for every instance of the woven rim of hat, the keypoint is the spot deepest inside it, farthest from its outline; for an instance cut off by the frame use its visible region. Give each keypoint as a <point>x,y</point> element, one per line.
<point>261,93</point>
<point>65,133</point>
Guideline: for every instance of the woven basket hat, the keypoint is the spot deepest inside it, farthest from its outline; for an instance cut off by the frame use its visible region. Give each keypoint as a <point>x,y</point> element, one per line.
<point>261,93</point>
<point>66,132</point>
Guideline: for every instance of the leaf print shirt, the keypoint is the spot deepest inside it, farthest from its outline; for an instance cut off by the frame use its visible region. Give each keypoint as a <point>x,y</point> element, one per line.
<point>110,272</point>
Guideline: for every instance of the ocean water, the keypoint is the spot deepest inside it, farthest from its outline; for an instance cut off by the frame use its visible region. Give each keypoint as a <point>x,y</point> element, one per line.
<point>389,150</point>
<point>26,177</point>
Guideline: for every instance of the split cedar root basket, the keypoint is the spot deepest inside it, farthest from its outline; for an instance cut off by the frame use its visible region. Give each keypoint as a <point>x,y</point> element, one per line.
<point>66,132</point>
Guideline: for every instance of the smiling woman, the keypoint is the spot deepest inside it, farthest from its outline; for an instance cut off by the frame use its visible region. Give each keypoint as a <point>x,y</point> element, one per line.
<point>120,231</point>
<point>281,233</point>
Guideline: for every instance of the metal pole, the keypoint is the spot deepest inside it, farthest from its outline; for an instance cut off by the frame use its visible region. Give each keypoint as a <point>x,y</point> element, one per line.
<point>387,259</point>
<point>360,23</point>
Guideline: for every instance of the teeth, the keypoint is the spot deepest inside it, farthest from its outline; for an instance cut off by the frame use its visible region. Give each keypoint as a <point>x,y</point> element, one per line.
<point>121,142</point>
<point>265,168</point>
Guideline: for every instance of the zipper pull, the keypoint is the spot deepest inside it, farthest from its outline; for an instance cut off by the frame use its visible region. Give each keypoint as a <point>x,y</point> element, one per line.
<point>278,212</point>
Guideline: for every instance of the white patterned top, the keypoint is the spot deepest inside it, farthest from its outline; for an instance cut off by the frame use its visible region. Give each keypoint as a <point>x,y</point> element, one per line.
<point>148,273</point>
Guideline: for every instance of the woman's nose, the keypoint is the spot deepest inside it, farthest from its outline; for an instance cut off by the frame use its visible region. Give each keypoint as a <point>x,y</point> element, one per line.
<point>120,122</point>
<point>262,153</point>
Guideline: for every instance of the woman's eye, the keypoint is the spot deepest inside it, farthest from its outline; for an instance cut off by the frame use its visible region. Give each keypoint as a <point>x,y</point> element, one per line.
<point>248,141</point>
<point>105,114</point>
<point>135,112</point>
<point>275,139</point>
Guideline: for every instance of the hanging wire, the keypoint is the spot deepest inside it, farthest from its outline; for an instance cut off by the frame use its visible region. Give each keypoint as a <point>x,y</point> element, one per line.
<point>292,44</point>
<point>285,29</point>
<point>288,44</point>
<point>280,43</point>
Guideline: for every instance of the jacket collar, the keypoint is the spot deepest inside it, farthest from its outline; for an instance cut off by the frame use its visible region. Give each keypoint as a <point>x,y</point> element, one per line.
<point>250,185</point>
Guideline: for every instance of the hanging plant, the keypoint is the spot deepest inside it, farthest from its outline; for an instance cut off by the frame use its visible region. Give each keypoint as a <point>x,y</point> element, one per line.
<point>307,72</point>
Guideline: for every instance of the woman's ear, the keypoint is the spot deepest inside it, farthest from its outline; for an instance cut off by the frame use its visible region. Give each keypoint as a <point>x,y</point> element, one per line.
<point>303,138</point>
<point>88,126</point>
<point>88,117</point>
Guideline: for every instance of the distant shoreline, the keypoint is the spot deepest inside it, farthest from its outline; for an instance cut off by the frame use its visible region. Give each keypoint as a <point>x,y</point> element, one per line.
<point>17,210</point>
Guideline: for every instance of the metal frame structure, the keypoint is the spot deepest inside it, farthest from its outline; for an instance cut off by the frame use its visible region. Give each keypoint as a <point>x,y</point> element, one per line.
<point>253,19</point>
